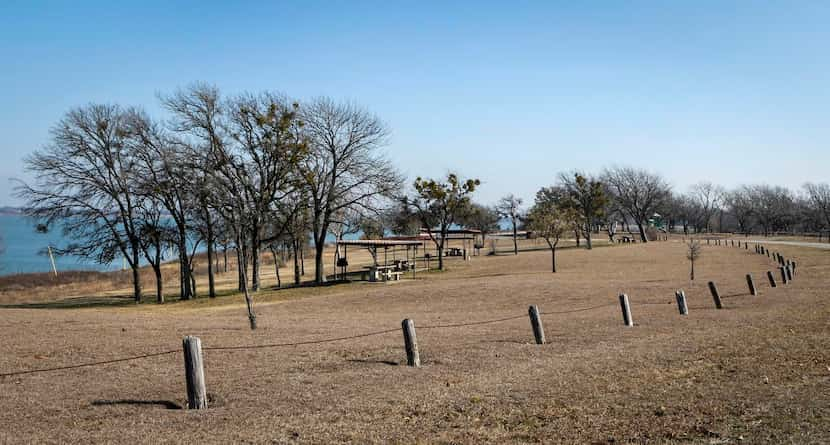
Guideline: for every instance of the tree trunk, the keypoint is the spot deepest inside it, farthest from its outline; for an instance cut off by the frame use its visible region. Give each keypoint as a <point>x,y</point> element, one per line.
<point>240,270</point>
<point>249,303</point>
<point>588,238</point>
<point>210,255</point>
<point>295,248</point>
<point>642,232</point>
<point>136,274</point>
<point>552,256</point>
<point>515,241</point>
<point>319,267</point>
<point>692,277</point>
<point>225,255</point>
<point>441,254</point>
<point>276,265</point>
<point>302,259</point>
<point>159,280</point>
<point>255,259</point>
<point>184,265</point>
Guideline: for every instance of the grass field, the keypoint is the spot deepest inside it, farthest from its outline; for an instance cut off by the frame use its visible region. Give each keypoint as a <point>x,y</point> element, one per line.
<point>757,371</point>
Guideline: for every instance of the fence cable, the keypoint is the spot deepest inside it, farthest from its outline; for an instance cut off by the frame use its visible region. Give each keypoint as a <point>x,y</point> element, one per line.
<point>84,365</point>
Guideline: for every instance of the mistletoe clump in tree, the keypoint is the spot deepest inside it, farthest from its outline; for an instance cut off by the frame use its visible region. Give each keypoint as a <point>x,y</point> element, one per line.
<point>439,204</point>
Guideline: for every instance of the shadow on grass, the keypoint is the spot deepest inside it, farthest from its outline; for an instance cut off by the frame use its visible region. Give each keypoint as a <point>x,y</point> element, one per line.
<point>373,362</point>
<point>76,303</point>
<point>167,404</point>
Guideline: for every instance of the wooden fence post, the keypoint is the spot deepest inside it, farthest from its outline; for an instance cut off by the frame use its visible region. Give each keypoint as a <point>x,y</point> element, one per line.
<point>681,302</point>
<point>783,275</point>
<point>715,295</point>
<point>771,278</point>
<point>789,272</point>
<point>751,285</point>
<point>626,310</point>
<point>413,358</point>
<point>793,264</point>
<point>536,324</point>
<point>194,373</point>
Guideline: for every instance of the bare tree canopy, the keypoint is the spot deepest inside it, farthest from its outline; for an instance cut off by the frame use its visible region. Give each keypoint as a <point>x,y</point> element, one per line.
<point>85,182</point>
<point>818,199</point>
<point>346,168</point>
<point>638,193</point>
<point>706,199</point>
<point>510,207</point>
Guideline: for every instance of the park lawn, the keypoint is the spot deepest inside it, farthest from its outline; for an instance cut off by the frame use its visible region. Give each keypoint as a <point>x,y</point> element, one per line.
<point>757,371</point>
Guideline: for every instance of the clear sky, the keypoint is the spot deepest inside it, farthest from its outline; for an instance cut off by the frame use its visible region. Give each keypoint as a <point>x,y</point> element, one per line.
<point>510,92</point>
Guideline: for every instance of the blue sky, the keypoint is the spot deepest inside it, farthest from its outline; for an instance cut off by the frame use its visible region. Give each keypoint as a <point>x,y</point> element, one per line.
<point>510,92</point>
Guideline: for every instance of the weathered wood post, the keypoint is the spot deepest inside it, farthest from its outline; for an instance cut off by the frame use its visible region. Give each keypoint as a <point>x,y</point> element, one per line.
<point>194,373</point>
<point>771,278</point>
<point>746,246</point>
<point>536,324</point>
<point>681,302</point>
<point>410,341</point>
<point>762,250</point>
<point>751,284</point>
<point>626,310</point>
<point>733,243</point>
<point>789,272</point>
<point>707,241</point>
<point>783,275</point>
<point>715,295</point>
<point>793,264</point>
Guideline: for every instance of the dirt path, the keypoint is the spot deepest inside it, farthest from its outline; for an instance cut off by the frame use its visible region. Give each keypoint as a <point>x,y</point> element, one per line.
<point>824,246</point>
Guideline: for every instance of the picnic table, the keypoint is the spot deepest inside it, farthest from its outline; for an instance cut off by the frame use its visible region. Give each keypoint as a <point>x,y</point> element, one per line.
<point>384,273</point>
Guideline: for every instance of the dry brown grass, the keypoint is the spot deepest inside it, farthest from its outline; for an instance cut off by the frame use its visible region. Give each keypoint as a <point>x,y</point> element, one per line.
<point>756,372</point>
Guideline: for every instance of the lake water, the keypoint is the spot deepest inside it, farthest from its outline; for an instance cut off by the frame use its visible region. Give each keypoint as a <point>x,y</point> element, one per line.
<point>24,249</point>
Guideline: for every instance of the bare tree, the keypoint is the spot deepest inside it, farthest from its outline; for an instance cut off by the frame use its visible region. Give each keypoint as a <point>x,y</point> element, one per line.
<point>740,205</point>
<point>481,218</point>
<point>166,178</point>
<point>439,205</point>
<point>638,193</point>
<point>693,252</point>
<point>773,207</point>
<point>510,207</point>
<point>346,168</point>
<point>707,198</point>
<point>818,199</point>
<point>86,184</point>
